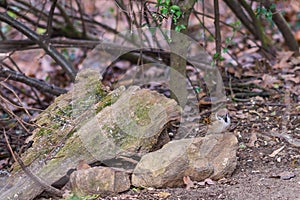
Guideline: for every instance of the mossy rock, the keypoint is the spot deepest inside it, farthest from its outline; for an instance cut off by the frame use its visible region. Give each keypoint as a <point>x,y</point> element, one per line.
<point>89,123</point>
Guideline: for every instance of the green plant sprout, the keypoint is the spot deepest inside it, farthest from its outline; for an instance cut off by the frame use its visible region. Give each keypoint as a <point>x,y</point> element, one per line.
<point>168,10</point>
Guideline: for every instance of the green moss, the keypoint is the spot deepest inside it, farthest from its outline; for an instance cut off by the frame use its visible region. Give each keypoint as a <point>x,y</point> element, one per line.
<point>43,131</point>
<point>93,92</point>
<point>141,113</point>
<point>100,91</point>
<point>66,111</point>
<point>106,101</point>
<point>119,137</point>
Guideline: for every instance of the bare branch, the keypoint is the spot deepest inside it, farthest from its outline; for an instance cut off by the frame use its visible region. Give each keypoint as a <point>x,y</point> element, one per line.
<point>40,85</point>
<point>36,38</point>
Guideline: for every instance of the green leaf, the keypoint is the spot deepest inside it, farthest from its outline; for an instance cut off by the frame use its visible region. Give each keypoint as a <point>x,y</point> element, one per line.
<point>263,11</point>
<point>273,6</point>
<point>174,20</point>
<point>178,14</point>
<point>243,146</point>
<point>174,8</point>
<point>198,89</point>
<point>160,18</point>
<point>215,56</point>
<point>227,40</point>
<point>111,10</point>
<point>180,27</point>
<point>257,11</point>
<point>269,15</point>
<point>164,10</point>
<point>11,14</point>
<point>41,30</point>
<point>225,50</point>
<point>158,3</point>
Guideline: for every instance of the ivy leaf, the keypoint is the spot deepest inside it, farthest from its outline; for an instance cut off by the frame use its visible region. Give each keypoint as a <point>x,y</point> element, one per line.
<point>273,6</point>
<point>178,14</point>
<point>164,10</point>
<point>269,15</point>
<point>216,55</point>
<point>180,27</point>
<point>227,40</point>
<point>174,8</point>
<point>198,89</point>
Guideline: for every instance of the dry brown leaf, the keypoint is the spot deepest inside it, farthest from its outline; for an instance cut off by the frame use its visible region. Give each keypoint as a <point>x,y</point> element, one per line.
<point>283,58</point>
<point>241,115</point>
<point>274,153</point>
<point>188,182</point>
<point>291,77</point>
<point>207,181</point>
<point>269,80</point>
<point>163,195</point>
<point>286,175</point>
<point>253,139</point>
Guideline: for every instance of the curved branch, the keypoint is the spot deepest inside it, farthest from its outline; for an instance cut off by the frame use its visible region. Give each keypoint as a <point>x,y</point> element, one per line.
<point>59,59</point>
<point>283,27</point>
<point>39,85</point>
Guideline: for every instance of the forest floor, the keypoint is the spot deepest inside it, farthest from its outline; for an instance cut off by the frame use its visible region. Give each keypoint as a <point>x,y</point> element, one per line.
<point>263,102</point>
<point>268,131</point>
<point>267,126</point>
<point>260,174</point>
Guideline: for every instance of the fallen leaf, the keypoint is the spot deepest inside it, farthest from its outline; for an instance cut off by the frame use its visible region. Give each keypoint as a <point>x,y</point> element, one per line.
<point>253,139</point>
<point>291,77</point>
<point>163,195</point>
<point>284,175</point>
<point>283,58</point>
<point>274,153</point>
<point>188,182</point>
<point>269,80</point>
<point>207,181</point>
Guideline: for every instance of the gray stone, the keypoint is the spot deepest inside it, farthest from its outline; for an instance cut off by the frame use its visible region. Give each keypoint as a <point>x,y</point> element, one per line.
<point>213,156</point>
<point>88,123</point>
<point>99,180</point>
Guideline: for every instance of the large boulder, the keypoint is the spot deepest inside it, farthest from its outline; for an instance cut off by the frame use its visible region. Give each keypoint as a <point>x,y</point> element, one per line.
<point>89,123</point>
<point>212,156</point>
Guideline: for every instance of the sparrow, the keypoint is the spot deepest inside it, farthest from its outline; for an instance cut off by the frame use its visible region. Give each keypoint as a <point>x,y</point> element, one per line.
<point>219,124</point>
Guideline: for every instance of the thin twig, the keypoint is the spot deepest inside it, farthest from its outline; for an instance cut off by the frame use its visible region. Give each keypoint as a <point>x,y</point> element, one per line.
<point>50,19</point>
<point>40,85</point>
<point>60,60</point>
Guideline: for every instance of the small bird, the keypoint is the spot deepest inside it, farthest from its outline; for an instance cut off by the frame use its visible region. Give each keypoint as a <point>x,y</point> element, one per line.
<point>219,124</point>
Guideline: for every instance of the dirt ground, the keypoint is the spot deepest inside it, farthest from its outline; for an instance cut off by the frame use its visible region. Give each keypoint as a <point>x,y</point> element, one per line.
<point>268,166</point>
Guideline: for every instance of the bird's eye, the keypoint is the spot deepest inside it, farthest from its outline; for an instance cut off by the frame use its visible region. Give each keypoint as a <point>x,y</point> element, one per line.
<point>227,118</point>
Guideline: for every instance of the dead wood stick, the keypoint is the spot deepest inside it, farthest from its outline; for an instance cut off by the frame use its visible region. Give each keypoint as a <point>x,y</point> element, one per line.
<point>32,176</point>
